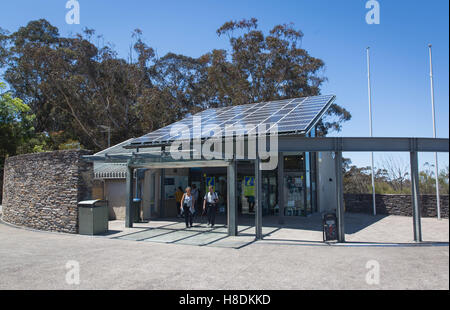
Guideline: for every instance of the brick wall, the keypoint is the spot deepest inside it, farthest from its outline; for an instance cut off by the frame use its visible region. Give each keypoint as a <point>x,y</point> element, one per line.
<point>41,190</point>
<point>395,204</point>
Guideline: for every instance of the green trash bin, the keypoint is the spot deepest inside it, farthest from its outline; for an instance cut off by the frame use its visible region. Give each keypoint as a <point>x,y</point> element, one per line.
<point>92,217</point>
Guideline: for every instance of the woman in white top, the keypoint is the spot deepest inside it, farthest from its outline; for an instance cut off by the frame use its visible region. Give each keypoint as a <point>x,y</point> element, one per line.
<point>210,204</point>
<point>187,206</point>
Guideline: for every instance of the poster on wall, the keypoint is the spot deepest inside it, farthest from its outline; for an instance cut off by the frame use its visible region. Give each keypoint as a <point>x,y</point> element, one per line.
<point>210,181</point>
<point>172,183</point>
<point>249,186</point>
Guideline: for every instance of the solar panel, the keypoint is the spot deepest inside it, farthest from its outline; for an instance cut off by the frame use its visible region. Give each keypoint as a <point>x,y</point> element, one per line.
<point>297,115</point>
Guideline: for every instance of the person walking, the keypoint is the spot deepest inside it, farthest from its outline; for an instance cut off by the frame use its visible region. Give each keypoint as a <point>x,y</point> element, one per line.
<point>187,205</point>
<point>210,205</point>
<point>178,197</point>
<point>251,203</point>
<point>195,194</point>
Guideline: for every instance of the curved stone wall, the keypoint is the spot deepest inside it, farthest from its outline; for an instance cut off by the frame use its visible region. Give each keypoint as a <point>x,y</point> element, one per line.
<point>41,190</point>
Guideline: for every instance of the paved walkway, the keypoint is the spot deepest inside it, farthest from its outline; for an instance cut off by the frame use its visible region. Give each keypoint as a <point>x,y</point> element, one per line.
<point>360,229</point>
<point>38,260</point>
<point>174,232</point>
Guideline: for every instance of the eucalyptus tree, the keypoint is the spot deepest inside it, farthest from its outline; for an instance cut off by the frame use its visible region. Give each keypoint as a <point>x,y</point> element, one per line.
<point>262,67</point>
<point>74,84</point>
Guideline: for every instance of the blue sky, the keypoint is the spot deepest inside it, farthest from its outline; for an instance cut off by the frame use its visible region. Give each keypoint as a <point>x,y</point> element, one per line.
<point>335,31</point>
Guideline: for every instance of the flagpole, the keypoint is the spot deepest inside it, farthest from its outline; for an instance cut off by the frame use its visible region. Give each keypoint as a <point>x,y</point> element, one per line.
<point>438,206</point>
<point>374,205</point>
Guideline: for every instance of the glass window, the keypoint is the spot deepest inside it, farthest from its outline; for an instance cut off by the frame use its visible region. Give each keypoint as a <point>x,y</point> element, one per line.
<point>294,194</point>
<point>294,162</point>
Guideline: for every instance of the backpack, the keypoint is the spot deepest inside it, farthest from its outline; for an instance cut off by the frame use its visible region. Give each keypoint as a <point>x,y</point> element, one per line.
<point>215,197</point>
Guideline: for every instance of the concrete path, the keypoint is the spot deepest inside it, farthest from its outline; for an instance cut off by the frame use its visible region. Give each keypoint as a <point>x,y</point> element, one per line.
<point>359,229</point>
<point>173,232</point>
<point>40,260</point>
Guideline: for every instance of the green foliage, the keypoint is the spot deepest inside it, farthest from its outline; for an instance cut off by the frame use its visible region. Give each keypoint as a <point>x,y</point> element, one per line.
<point>37,143</point>
<point>263,67</point>
<point>428,180</point>
<point>358,180</point>
<point>12,110</point>
<point>444,181</point>
<point>70,145</point>
<point>15,123</point>
<point>73,85</point>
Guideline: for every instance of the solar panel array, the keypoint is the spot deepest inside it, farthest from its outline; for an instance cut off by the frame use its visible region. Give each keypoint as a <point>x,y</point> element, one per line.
<point>287,116</point>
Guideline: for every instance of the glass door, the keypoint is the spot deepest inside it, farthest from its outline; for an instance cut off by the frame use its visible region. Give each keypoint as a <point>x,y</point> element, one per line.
<point>295,199</point>
<point>269,195</point>
<point>294,194</point>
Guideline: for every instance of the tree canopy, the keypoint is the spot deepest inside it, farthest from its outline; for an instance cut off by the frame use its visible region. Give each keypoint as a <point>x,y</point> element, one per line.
<point>64,90</point>
<point>74,84</point>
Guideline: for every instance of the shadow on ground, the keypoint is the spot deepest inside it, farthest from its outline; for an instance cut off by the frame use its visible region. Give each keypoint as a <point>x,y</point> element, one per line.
<point>360,230</point>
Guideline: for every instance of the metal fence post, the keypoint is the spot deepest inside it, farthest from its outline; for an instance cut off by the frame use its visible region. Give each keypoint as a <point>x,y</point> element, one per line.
<point>281,188</point>
<point>339,196</point>
<point>258,199</point>
<point>232,200</point>
<point>129,202</point>
<point>415,193</point>
<point>162,193</point>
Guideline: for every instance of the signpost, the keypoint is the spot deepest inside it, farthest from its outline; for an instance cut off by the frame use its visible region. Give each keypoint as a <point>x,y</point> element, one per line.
<point>210,181</point>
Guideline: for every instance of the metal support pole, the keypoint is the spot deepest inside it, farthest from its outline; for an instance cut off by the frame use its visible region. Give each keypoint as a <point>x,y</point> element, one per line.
<point>129,198</point>
<point>258,199</point>
<point>151,182</point>
<point>415,196</point>
<point>109,137</point>
<point>339,196</point>
<point>374,201</point>
<point>136,184</point>
<point>281,187</point>
<point>162,191</point>
<point>374,204</point>
<point>436,165</point>
<point>232,199</point>
<point>108,130</point>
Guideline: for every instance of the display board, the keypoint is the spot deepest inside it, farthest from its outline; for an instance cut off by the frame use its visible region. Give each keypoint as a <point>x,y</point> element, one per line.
<point>249,186</point>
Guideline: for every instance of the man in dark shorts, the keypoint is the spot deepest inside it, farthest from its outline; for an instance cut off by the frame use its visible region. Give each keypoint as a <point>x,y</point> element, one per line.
<point>210,205</point>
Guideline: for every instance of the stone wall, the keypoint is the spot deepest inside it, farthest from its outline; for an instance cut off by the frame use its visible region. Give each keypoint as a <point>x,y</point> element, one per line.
<point>395,204</point>
<point>41,190</point>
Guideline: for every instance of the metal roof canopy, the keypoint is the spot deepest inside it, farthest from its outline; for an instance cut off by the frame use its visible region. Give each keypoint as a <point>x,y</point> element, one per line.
<point>180,164</point>
<point>286,144</point>
<point>362,144</point>
<point>110,171</point>
<point>291,116</point>
<point>300,144</point>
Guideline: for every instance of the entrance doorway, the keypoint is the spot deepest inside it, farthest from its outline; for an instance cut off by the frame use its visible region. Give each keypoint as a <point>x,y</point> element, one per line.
<point>299,184</point>
<point>245,191</point>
